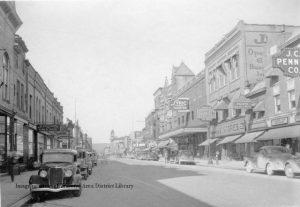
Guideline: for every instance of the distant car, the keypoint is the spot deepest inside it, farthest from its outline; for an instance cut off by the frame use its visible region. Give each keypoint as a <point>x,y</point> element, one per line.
<point>185,157</point>
<point>85,163</point>
<point>58,172</point>
<point>272,159</point>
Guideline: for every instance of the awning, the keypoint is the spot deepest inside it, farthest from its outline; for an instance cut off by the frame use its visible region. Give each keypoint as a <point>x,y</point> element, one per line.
<point>229,139</point>
<point>260,106</point>
<point>222,105</point>
<point>281,133</point>
<point>183,131</point>
<point>172,146</point>
<point>207,142</point>
<point>163,144</point>
<point>249,137</point>
<point>273,72</point>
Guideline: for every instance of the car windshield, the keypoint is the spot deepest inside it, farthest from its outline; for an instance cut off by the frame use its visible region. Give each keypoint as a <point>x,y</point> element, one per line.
<point>186,153</point>
<point>277,150</point>
<point>58,157</point>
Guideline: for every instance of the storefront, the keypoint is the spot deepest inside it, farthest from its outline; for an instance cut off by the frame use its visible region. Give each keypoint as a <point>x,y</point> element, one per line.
<point>40,145</point>
<point>6,141</point>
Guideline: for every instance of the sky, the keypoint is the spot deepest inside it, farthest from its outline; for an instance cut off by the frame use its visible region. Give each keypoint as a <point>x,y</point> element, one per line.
<point>104,59</point>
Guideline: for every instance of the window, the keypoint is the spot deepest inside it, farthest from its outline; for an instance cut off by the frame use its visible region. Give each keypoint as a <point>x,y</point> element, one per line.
<point>235,66</point>
<point>5,64</point>
<point>260,114</point>
<point>274,80</point>
<point>16,61</point>
<point>178,121</point>
<point>292,99</point>
<point>277,104</point>
<point>225,114</point>
<point>238,112</point>
<point>43,120</point>
<point>182,119</point>
<point>30,106</point>
<point>22,97</point>
<point>40,108</point>
<point>192,115</point>
<point>36,110</point>
<point>18,94</point>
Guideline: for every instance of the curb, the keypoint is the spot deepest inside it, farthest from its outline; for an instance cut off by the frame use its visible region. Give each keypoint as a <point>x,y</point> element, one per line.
<point>21,201</point>
<point>226,168</point>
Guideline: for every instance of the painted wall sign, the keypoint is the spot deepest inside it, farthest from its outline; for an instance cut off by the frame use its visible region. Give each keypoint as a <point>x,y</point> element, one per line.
<point>230,127</point>
<point>279,121</point>
<point>206,113</point>
<point>242,104</point>
<point>288,61</point>
<point>48,127</point>
<point>180,104</point>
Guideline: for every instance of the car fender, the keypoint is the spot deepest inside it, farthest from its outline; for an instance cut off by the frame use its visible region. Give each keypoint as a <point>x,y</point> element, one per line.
<point>35,179</point>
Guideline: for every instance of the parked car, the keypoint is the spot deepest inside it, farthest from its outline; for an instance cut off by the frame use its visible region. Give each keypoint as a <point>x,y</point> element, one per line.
<point>272,159</point>
<point>185,157</point>
<point>58,172</point>
<point>85,163</point>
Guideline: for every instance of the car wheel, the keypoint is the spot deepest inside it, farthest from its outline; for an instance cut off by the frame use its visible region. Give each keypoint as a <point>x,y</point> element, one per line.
<point>269,169</point>
<point>249,167</point>
<point>289,171</point>
<point>34,197</point>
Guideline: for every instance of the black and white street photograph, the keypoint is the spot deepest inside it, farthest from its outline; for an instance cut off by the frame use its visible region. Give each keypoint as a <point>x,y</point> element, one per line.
<point>155,103</point>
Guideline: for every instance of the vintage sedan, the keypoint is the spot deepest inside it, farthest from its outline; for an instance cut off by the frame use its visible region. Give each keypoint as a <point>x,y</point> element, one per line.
<point>85,163</point>
<point>272,159</point>
<point>185,157</point>
<point>58,172</point>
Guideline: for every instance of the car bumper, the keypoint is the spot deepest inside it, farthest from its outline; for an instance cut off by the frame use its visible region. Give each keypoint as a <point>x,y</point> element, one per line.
<point>36,188</point>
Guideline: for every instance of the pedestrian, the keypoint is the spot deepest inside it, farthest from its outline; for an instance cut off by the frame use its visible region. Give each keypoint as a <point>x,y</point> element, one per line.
<point>11,160</point>
<point>217,157</point>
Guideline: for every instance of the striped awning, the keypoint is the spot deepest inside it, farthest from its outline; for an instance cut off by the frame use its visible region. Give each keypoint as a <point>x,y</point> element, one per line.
<point>229,139</point>
<point>249,137</point>
<point>281,133</point>
<point>207,142</point>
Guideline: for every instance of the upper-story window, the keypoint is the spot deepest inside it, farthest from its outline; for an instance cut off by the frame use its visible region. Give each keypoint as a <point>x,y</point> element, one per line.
<point>274,80</point>
<point>18,94</point>
<point>225,114</point>
<point>30,106</point>
<point>235,65</point>
<point>292,99</point>
<point>192,115</point>
<point>277,104</point>
<point>16,60</point>
<point>22,98</point>
<point>5,65</point>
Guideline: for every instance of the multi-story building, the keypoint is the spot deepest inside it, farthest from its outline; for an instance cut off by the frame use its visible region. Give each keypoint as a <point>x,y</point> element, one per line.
<point>234,66</point>
<point>25,99</point>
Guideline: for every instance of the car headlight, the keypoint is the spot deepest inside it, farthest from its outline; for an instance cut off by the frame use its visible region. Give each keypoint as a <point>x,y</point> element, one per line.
<point>68,173</point>
<point>43,173</point>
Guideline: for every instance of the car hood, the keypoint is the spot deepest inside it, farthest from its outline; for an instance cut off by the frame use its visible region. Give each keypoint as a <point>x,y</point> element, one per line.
<point>61,164</point>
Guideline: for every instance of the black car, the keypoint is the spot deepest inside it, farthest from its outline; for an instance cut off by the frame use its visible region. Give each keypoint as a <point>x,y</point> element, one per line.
<point>58,172</point>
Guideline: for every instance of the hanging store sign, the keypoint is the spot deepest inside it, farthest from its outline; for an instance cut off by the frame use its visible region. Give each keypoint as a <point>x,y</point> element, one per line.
<point>206,113</point>
<point>48,127</point>
<point>288,61</point>
<point>180,105</point>
<point>230,127</point>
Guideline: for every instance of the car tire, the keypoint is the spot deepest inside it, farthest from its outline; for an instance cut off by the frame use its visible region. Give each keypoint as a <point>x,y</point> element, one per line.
<point>289,172</point>
<point>269,170</point>
<point>249,167</point>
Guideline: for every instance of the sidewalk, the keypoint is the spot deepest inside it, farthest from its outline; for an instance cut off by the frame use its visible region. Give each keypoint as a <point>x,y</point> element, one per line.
<point>15,193</point>
<point>225,164</point>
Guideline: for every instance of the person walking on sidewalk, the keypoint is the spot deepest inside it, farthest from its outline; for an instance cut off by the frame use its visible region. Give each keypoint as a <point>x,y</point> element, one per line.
<point>11,160</point>
<point>217,157</point>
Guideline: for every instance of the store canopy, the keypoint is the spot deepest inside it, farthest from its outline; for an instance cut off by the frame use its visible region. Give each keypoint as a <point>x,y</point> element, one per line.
<point>249,137</point>
<point>273,72</point>
<point>163,143</point>
<point>281,133</point>
<point>182,132</point>
<point>207,142</point>
<point>229,139</point>
<point>222,105</point>
<point>260,106</point>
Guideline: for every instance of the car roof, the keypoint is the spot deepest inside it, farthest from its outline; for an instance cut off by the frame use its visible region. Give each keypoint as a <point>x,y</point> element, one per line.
<point>67,151</point>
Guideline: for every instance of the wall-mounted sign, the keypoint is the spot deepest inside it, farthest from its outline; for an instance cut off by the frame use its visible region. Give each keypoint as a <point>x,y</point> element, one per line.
<point>279,121</point>
<point>48,127</point>
<point>288,61</point>
<point>206,113</point>
<point>242,103</point>
<point>180,104</point>
<point>230,127</point>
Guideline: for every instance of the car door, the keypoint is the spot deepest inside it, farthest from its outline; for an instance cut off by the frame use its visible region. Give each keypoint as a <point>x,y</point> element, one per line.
<point>262,158</point>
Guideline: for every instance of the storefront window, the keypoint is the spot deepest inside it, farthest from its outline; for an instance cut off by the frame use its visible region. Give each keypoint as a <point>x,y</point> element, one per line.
<point>30,143</point>
<point>19,137</point>
<point>40,145</point>
<point>48,143</point>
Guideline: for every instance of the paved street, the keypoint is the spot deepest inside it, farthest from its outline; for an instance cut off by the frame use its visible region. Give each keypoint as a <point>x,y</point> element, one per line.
<point>146,183</point>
